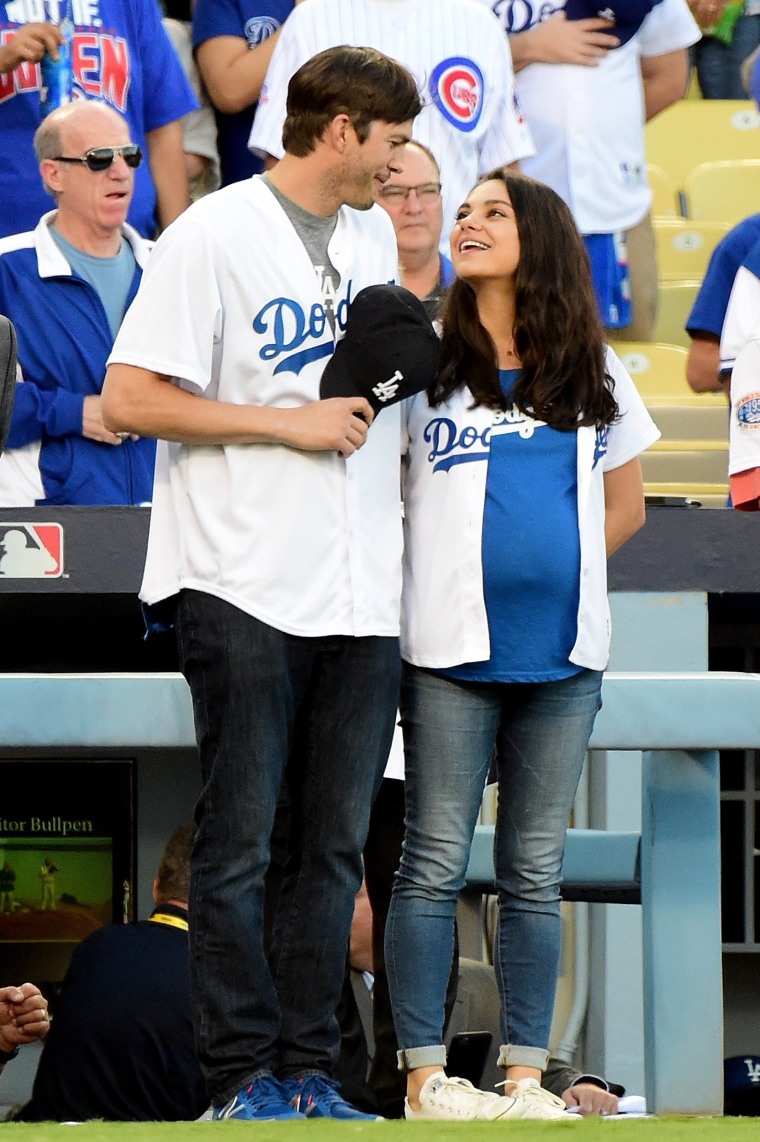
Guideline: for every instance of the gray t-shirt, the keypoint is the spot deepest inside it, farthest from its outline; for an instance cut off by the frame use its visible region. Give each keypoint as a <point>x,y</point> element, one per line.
<point>315,232</point>
<point>111,278</point>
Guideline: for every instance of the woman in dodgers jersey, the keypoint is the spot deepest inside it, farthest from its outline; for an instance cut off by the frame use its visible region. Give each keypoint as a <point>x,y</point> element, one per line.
<point>522,475</point>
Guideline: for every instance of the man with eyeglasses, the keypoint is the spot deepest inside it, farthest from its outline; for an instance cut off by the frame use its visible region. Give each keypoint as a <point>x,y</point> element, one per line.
<point>470,116</point>
<point>412,198</point>
<point>65,286</point>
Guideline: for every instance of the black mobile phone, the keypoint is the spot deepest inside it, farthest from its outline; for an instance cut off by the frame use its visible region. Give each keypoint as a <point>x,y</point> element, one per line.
<point>467,1054</point>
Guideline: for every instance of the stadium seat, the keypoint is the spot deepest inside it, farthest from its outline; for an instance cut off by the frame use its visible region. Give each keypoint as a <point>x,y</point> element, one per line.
<point>724,191</point>
<point>658,371</point>
<point>680,414</point>
<point>666,201</point>
<point>684,247</point>
<point>674,304</point>
<point>708,495</point>
<point>690,130</point>
<point>666,462</point>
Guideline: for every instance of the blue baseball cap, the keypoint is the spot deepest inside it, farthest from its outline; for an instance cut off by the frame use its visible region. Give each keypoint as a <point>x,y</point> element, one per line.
<point>626,15</point>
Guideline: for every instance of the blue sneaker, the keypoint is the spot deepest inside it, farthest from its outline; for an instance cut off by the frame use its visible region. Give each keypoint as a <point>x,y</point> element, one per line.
<point>316,1096</point>
<point>263,1100</point>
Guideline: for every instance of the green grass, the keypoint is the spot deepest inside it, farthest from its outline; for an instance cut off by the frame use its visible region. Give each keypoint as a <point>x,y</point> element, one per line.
<point>590,1130</point>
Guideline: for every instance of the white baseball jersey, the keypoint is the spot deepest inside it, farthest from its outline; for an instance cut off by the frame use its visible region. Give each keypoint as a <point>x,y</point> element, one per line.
<point>461,62</point>
<point>743,310</point>
<point>231,308</point>
<point>744,435</point>
<point>444,620</point>
<point>588,122</point>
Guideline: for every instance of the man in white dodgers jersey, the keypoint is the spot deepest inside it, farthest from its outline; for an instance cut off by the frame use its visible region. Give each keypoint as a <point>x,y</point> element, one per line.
<point>470,120</point>
<point>275,545</point>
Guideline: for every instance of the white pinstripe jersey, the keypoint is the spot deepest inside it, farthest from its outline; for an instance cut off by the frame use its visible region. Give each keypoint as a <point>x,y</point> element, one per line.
<point>459,56</point>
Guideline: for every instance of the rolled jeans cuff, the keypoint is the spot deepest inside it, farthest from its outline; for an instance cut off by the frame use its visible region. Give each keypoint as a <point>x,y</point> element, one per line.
<point>515,1056</point>
<point>421,1057</point>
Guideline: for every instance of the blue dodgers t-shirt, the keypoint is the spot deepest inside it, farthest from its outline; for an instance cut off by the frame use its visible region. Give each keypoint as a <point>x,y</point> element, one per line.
<point>531,551</point>
<point>255,21</point>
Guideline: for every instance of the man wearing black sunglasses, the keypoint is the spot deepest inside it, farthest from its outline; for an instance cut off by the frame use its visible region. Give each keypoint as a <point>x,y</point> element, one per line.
<point>66,286</point>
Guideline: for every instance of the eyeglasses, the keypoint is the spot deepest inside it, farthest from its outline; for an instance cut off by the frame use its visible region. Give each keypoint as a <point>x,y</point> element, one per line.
<point>101,158</point>
<point>426,193</point>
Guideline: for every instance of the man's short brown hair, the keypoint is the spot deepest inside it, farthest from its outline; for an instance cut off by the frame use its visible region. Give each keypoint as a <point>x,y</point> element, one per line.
<point>174,869</point>
<point>361,83</point>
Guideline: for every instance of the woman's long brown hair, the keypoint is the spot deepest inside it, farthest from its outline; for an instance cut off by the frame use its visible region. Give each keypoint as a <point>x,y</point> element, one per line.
<point>557,332</point>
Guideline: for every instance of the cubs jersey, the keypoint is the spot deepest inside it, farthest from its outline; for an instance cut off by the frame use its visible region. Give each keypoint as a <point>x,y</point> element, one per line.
<point>588,122</point>
<point>470,119</point>
<point>306,542</point>
<point>121,55</point>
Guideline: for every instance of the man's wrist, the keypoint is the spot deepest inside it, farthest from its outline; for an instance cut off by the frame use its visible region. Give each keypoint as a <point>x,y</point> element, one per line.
<point>7,1056</point>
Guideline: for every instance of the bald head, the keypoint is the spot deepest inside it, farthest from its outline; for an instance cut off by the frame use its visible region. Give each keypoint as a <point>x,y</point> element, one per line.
<point>54,134</point>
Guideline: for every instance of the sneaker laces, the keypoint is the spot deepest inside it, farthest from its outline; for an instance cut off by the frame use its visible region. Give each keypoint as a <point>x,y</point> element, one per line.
<point>531,1091</point>
<point>265,1095</point>
<point>318,1087</point>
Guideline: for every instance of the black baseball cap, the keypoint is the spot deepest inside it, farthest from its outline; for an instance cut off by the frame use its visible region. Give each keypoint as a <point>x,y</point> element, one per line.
<point>390,349</point>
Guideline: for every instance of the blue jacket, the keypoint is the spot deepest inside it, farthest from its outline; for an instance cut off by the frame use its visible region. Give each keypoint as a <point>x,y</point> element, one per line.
<point>122,56</point>
<point>64,341</point>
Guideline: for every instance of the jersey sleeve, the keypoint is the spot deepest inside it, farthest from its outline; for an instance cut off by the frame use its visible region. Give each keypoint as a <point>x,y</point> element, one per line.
<point>744,430</point>
<point>509,138</point>
<point>216,18</point>
<point>743,308</point>
<point>291,51</point>
<point>669,27</point>
<point>171,329</point>
<point>709,310</point>
<point>167,94</point>
<point>635,431</point>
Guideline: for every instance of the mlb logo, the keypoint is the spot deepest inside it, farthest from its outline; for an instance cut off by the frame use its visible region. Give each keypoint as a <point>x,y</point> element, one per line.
<point>31,550</point>
<point>456,88</point>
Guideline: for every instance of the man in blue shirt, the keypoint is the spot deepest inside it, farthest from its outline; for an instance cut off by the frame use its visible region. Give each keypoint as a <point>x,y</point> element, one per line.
<point>66,286</point>
<point>120,55</point>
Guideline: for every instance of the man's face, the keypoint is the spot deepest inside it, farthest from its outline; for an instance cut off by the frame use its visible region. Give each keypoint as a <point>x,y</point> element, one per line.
<point>369,164</point>
<point>98,200</point>
<point>412,198</point>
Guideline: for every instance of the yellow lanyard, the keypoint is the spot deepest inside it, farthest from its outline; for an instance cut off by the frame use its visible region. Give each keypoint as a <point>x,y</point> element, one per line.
<point>169,921</point>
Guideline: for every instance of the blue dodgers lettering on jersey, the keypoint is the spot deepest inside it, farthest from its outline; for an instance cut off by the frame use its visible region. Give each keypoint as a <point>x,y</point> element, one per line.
<point>600,445</point>
<point>290,328</point>
<point>260,28</point>
<point>518,15</point>
<point>450,447</point>
<point>457,88</point>
<point>748,412</point>
<point>101,62</point>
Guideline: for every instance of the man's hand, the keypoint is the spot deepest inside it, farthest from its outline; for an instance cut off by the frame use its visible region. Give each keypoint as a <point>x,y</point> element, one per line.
<point>92,423</point>
<point>590,1099</point>
<point>29,44</point>
<point>559,40</point>
<point>23,1016</point>
<point>339,425</point>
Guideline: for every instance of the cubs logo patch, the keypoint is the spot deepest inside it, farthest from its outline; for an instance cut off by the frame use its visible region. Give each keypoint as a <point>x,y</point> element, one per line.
<point>748,412</point>
<point>31,550</point>
<point>456,88</point>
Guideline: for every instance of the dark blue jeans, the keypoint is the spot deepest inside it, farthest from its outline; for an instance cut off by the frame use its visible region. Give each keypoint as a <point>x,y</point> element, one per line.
<point>540,732</point>
<point>319,712</point>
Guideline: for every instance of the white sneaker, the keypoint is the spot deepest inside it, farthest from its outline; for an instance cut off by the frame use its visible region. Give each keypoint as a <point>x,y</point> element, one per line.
<point>536,1102</point>
<point>457,1099</point>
